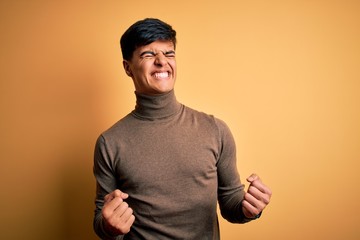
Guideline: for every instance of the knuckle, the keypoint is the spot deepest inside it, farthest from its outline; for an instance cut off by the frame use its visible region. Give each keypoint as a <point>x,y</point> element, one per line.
<point>124,229</point>
<point>252,189</point>
<point>106,213</point>
<point>117,201</point>
<point>125,204</point>
<point>253,212</point>
<point>130,210</point>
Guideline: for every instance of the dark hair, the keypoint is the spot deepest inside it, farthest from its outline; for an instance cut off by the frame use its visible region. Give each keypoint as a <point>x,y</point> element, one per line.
<point>144,32</point>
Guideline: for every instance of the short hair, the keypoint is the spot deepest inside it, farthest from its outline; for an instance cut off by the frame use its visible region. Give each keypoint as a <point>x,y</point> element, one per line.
<point>144,32</point>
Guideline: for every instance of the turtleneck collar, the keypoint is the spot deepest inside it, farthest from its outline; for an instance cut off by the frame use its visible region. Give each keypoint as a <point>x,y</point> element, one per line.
<point>156,107</point>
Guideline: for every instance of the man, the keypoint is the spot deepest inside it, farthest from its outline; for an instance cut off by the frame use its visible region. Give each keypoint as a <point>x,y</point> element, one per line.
<point>162,168</point>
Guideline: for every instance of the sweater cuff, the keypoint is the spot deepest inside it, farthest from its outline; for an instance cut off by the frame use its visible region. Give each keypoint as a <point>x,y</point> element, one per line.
<point>246,219</point>
<point>108,236</point>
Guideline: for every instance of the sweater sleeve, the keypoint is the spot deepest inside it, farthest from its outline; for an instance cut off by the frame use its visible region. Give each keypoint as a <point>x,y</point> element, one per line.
<point>230,189</point>
<point>105,183</point>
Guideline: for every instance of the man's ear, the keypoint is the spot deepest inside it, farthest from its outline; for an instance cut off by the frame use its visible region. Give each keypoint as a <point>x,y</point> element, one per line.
<point>127,68</point>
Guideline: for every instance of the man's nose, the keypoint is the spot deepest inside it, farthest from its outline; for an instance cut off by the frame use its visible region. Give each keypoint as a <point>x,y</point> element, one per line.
<point>160,60</point>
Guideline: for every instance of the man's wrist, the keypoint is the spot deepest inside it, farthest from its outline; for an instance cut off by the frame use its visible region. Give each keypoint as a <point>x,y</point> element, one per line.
<point>108,232</point>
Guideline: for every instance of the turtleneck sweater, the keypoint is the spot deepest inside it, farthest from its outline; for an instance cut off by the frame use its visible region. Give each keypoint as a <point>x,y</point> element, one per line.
<point>176,164</point>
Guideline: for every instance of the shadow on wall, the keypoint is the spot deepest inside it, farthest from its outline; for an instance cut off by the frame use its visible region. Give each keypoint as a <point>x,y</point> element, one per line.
<point>76,181</point>
<point>78,191</point>
<point>52,125</point>
<point>75,131</point>
<point>75,143</point>
<point>54,78</point>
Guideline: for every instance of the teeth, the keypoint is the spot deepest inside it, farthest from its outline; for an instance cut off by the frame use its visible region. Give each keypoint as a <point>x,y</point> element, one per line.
<point>161,75</point>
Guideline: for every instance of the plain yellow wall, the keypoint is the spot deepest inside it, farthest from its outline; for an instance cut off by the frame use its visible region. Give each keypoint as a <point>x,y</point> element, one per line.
<point>284,75</point>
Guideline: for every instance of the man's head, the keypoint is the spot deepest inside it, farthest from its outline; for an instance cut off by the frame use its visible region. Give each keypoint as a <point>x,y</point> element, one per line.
<point>148,49</point>
<point>144,32</point>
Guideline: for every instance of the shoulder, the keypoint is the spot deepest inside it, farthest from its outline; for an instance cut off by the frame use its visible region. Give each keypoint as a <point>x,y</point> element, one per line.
<point>112,133</point>
<point>208,119</point>
<point>118,126</point>
<point>199,115</point>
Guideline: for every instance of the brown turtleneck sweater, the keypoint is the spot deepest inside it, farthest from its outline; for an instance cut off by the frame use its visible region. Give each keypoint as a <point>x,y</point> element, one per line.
<point>175,163</point>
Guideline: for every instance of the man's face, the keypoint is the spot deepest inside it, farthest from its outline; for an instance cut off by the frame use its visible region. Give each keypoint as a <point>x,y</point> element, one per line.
<point>153,68</point>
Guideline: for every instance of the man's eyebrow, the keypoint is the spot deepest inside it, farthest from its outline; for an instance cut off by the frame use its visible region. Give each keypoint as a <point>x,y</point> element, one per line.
<point>170,52</point>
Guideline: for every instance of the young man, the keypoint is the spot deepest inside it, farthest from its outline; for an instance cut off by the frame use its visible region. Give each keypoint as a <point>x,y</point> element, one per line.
<point>161,170</point>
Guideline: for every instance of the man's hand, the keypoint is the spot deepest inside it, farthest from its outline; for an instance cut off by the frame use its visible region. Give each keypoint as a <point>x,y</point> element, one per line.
<point>117,215</point>
<point>256,198</point>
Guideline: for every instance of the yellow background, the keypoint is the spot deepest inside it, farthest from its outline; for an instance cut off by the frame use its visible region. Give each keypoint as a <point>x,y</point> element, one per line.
<point>284,75</point>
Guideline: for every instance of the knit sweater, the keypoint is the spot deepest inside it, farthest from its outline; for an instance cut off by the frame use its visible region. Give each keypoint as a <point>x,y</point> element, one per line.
<point>175,163</point>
